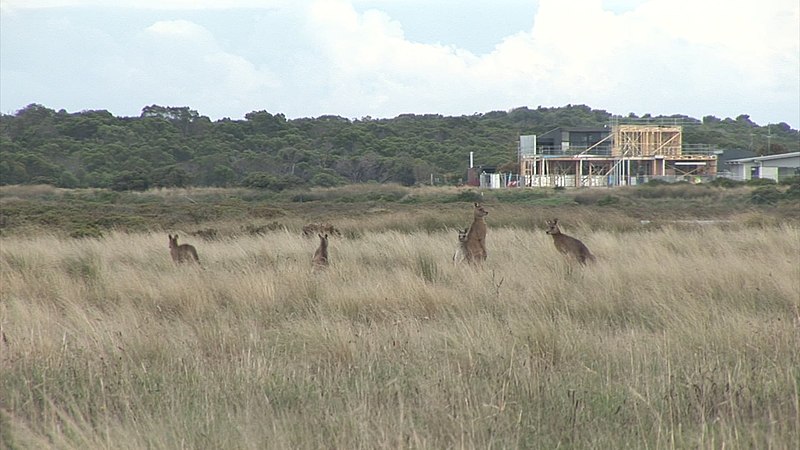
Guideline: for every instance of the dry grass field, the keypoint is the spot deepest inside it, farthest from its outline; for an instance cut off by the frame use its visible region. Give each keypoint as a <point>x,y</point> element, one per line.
<point>681,336</point>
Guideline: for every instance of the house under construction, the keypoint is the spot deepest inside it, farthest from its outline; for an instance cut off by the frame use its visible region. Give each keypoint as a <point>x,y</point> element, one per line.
<point>619,154</point>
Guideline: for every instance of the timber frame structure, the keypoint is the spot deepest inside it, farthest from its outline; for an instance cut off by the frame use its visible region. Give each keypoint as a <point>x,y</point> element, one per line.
<point>622,154</point>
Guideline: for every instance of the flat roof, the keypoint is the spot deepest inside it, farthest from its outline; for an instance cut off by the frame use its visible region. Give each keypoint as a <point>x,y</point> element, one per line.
<point>765,158</point>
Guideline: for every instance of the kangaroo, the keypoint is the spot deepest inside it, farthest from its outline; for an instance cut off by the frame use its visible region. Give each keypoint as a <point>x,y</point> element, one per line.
<point>320,260</point>
<point>311,228</point>
<point>568,245</point>
<point>461,250</point>
<point>182,253</point>
<point>475,244</point>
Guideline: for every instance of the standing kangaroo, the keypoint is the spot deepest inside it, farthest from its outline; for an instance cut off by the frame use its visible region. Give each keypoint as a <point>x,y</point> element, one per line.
<point>320,260</point>
<point>182,253</point>
<point>461,250</point>
<point>476,236</point>
<point>568,245</point>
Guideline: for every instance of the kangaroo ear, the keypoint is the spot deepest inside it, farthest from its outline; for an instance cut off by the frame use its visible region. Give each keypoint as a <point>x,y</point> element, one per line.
<point>476,204</point>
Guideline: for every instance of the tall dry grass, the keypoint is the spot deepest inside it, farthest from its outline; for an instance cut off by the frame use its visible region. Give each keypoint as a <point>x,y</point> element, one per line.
<point>677,338</point>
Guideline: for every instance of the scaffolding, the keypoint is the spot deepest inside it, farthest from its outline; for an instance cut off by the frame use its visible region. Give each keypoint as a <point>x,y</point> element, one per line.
<point>639,153</point>
<point>646,141</point>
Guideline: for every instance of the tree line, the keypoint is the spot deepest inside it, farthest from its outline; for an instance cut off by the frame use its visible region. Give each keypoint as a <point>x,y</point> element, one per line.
<point>177,146</point>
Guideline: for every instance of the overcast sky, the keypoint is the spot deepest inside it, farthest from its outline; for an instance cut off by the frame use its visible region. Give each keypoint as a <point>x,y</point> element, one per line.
<point>382,58</point>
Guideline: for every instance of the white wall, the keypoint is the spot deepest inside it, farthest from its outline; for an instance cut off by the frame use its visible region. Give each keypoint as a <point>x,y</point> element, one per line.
<point>769,172</point>
<point>741,171</point>
<point>782,162</point>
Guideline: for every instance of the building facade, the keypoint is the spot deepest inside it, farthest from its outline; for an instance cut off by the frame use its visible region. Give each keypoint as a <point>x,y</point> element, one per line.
<point>774,167</point>
<point>616,155</point>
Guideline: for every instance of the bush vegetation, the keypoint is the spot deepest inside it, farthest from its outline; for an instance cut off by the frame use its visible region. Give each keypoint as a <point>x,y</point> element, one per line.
<point>232,211</point>
<point>178,147</point>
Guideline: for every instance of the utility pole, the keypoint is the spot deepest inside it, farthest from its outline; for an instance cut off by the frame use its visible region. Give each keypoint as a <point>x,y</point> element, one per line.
<point>769,140</point>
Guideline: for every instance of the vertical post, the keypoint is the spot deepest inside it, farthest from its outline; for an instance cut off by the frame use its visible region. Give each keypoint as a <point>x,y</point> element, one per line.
<point>628,173</point>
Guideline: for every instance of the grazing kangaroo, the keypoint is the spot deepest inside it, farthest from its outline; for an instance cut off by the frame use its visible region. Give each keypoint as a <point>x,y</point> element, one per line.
<point>476,236</point>
<point>320,260</point>
<point>311,228</point>
<point>461,250</point>
<point>182,253</point>
<point>568,245</point>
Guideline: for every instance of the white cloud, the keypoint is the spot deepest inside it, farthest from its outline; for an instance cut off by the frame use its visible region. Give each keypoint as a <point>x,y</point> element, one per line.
<point>308,58</point>
<point>181,61</point>
<point>143,4</point>
<point>658,56</point>
<point>180,29</point>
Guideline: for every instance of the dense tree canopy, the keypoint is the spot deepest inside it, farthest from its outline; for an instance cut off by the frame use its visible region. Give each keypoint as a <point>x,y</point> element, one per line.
<point>177,146</point>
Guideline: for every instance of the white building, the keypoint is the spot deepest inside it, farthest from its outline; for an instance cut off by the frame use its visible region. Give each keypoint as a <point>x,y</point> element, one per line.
<point>774,167</point>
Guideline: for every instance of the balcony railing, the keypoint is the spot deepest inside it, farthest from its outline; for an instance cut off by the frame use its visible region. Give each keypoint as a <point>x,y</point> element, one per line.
<point>605,150</point>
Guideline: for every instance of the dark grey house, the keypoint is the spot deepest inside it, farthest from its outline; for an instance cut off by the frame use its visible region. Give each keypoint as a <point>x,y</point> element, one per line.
<point>573,140</point>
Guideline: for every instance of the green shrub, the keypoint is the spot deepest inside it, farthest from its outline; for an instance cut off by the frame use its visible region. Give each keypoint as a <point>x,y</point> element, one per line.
<point>306,197</point>
<point>130,180</point>
<point>325,179</point>
<point>672,190</point>
<point>470,196</point>
<point>411,199</point>
<point>262,180</point>
<point>761,182</point>
<point>67,180</point>
<point>793,193</point>
<point>608,200</point>
<point>587,198</point>
<point>791,181</point>
<point>366,192</point>
<point>766,195</point>
<point>726,182</point>
<point>519,195</point>
<point>596,197</point>
<point>88,231</point>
